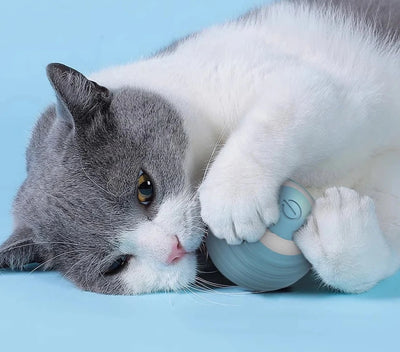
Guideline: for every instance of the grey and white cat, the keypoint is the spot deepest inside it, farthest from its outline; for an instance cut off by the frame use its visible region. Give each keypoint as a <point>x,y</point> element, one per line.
<point>302,89</point>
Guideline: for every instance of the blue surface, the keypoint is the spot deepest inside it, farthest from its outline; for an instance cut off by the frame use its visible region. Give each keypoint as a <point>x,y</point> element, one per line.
<point>43,312</point>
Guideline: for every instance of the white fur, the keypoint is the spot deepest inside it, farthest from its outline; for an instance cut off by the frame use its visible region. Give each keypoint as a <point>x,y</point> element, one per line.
<point>297,93</point>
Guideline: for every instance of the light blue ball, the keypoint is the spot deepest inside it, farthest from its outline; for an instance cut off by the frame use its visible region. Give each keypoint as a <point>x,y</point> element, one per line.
<point>275,262</point>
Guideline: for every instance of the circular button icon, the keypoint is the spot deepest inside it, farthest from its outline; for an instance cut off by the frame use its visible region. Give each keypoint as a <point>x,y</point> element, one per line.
<point>291,209</point>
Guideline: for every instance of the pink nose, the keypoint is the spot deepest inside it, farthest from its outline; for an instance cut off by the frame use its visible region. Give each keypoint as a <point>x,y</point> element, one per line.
<point>177,251</point>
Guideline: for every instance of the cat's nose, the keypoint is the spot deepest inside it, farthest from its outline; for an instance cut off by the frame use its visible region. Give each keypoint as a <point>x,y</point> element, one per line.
<point>177,251</point>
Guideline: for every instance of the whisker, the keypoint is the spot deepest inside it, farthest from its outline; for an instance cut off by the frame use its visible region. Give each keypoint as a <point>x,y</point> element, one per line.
<point>214,284</point>
<point>207,272</point>
<point>73,266</point>
<point>217,290</point>
<point>35,243</point>
<point>49,260</point>
<point>203,291</point>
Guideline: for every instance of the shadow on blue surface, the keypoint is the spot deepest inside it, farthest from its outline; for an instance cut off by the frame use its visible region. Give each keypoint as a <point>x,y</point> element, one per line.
<point>389,288</point>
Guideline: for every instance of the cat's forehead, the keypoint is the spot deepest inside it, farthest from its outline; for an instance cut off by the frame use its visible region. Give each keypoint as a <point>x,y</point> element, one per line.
<point>148,114</point>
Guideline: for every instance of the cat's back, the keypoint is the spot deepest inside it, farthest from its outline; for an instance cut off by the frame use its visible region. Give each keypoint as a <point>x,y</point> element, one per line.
<point>316,31</point>
<point>345,38</point>
<point>382,15</point>
<point>349,41</point>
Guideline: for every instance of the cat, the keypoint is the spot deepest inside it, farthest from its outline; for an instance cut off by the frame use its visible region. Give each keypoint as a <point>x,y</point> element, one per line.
<point>128,166</point>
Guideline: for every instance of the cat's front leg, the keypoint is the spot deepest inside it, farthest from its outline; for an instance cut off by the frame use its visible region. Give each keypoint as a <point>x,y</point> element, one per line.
<point>343,241</point>
<point>239,195</point>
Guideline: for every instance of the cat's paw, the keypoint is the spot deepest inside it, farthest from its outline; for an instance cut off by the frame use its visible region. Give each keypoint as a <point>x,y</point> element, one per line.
<point>343,241</point>
<point>237,203</point>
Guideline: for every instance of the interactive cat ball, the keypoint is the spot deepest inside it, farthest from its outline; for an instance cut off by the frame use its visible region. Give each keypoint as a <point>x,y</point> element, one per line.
<point>275,261</point>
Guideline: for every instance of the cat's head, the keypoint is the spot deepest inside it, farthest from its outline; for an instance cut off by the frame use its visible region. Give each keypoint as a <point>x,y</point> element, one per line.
<point>107,198</point>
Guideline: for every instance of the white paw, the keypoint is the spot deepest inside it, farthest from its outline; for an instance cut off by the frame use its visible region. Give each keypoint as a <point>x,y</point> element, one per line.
<point>236,202</point>
<point>343,241</point>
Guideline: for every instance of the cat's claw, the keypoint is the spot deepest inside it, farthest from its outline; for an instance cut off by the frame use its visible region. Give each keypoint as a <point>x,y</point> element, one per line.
<point>233,206</point>
<point>343,241</point>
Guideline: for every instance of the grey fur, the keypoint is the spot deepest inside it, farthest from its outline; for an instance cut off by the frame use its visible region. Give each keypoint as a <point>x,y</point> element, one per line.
<point>382,15</point>
<point>172,47</point>
<point>80,192</point>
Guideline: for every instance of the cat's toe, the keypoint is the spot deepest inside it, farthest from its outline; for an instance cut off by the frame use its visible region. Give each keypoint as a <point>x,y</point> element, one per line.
<point>237,217</point>
<point>249,224</point>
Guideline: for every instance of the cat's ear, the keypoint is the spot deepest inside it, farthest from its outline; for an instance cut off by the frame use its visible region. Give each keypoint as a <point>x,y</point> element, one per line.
<point>80,100</point>
<point>20,249</point>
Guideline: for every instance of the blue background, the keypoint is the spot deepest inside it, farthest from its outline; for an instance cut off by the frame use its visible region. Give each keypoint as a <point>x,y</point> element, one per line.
<point>43,312</point>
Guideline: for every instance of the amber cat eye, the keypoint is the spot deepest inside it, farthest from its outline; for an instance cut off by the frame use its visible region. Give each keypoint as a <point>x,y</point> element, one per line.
<point>145,191</point>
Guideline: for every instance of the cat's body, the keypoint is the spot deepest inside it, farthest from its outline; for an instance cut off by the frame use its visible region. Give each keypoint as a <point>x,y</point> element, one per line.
<point>291,90</point>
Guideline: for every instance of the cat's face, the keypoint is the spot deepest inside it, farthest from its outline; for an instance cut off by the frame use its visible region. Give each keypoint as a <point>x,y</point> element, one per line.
<point>107,199</point>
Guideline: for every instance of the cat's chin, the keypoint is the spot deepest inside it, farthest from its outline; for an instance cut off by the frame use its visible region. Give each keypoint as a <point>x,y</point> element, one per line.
<point>174,277</point>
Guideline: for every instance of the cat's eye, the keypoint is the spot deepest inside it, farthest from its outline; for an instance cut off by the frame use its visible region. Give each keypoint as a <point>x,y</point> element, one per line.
<point>117,265</point>
<point>145,190</point>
